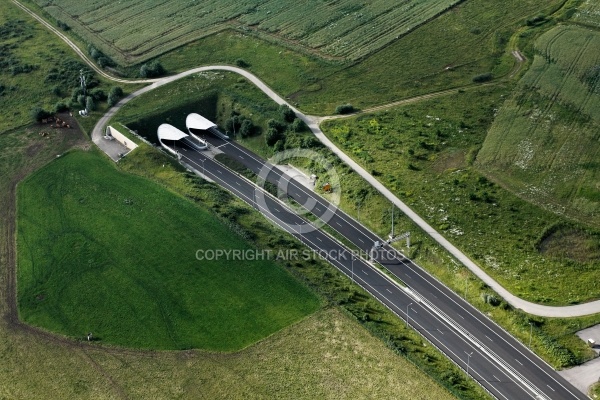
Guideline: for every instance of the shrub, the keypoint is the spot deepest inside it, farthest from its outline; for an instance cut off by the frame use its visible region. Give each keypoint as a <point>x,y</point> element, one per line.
<point>273,135</point>
<point>152,69</point>
<point>299,126</point>
<point>287,114</point>
<point>81,100</point>
<point>276,125</point>
<point>279,146</point>
<point>247,128</point>
<point>90,104</point>
<point>241,63</point>
<point>114,95</point>
<point>38,113</point>
<point>344,109</point>
<point>60,107</point>
<point>98,94</point>
<point>62,25</point>
<point>483,77</point>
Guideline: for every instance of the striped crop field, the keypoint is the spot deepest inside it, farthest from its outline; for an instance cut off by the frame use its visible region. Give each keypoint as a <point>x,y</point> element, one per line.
<point>545,141</point>
<point>589,13</point>
<point>135,30</point>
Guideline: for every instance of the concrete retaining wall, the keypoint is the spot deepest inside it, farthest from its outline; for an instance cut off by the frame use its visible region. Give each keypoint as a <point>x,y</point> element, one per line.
<point>121,138</point>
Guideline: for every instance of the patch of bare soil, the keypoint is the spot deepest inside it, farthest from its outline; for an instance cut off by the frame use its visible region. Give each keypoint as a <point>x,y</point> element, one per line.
<point>450,160</point>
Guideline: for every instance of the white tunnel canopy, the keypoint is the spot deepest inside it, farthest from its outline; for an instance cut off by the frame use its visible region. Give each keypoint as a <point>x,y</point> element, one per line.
<point>169,132</point>
<point>197,121</point>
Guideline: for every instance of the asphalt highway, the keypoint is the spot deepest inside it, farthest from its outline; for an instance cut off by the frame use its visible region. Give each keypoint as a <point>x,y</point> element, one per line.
<point>500,363</point>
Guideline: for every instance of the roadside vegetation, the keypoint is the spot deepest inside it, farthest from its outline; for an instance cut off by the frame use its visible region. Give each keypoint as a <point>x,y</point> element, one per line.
<point>424,153</point>
<point>447,157</point>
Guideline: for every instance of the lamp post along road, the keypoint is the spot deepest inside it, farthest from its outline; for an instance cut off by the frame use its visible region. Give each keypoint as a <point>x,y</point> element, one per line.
<point>530,332</point>
<point>468,361</point>
<point>410,304</point>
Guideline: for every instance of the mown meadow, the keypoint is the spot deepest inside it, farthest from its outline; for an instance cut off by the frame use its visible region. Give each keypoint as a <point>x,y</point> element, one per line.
<point>114,254</point>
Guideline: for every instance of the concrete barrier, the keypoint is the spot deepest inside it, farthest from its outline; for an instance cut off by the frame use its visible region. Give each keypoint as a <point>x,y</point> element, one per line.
<point>121,138</point>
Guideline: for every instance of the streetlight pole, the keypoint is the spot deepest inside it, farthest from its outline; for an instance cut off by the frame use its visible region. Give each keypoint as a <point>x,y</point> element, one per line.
<point>468,361</point>
<point>530,333</point>
<point>203,173</point>
<point>410,304</point>
<point>392,220</point>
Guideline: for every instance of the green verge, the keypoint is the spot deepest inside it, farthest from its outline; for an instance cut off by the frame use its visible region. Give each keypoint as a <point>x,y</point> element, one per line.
<point>322,277</point>
<point>333,287</point>
<point>114,254</point>
<point>438,159</point>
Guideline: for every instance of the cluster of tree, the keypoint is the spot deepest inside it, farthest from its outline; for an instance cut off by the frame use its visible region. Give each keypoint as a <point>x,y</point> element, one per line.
<point>152,69</point>
<point>240,125</point>
<point>13,28</point>
<point>114,95</point>
<point>278,130</point>
<point>67,74</point>
<point>102,60</point>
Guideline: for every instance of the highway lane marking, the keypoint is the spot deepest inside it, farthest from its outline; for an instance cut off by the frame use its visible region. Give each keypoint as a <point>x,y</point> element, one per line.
<point>488,337</point>
<point>242,157</point>
<point>276,209</point>
<point>440,332</point>
<point>219,171</point>
<point>362,241</point>
<point>551,388</point>
<point>495,377</point>
<point>419,274</point>
<point>319,239</point>
<point>237,183</point>
<point>365,272</point>
<point>338,224</point>
<point>461,316</point>
<point>389,290</point>
<point>518,361</point>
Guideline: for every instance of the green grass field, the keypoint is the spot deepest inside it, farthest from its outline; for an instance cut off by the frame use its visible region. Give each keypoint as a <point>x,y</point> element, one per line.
<point>134,31</point>
<point>544,143</point>
<point>290,362</point>
<point>114,254</point>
